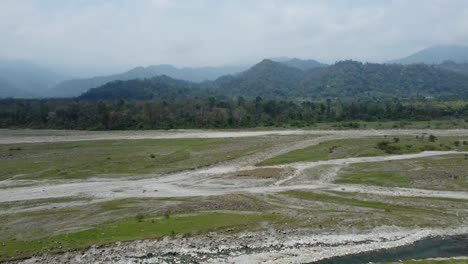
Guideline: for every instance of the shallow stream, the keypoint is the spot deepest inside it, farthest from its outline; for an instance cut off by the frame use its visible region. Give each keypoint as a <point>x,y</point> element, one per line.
<point>438,247</point>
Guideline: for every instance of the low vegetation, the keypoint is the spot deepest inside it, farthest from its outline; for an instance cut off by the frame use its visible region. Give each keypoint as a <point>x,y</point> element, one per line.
<point>118,157</point>
<point>70,223</point>
<point>448,172</point>
<point>364,147</point>
<point>335,199</point>
<point>341,210</point>
<point>139,227</point>
<point>263,173</point>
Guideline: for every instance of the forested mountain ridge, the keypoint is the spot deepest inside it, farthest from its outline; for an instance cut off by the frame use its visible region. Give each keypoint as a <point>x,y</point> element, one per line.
<point>271,79</point>
<point>75,87</point>
<point>161,87</point>
<point>274,78</point>
<point>356,79</point>
<point>267,79</point>
<point>346,79</point>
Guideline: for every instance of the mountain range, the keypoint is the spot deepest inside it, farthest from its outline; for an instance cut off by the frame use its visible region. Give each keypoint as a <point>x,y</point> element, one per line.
<point>76,87</point>
<point>276,77</point>
<point>71,88</point>
<point>270,79</point>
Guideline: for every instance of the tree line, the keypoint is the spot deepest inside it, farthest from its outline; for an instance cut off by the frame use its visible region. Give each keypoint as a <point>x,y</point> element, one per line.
<point>211,112</point>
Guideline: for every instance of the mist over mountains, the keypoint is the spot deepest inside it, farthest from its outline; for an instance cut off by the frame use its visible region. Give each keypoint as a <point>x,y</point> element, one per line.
<point>443,74</point>
<point>71,88</point>
<point>437,55</point>
<point>26,80</point>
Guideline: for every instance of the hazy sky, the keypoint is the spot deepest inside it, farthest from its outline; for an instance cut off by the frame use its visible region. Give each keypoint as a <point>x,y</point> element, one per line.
<point>115,33</point>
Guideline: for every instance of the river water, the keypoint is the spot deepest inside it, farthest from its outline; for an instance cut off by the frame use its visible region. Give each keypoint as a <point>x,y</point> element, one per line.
<point>438,247</point>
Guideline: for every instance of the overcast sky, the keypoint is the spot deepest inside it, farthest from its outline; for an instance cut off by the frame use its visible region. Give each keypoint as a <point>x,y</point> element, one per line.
<point>124,33</point>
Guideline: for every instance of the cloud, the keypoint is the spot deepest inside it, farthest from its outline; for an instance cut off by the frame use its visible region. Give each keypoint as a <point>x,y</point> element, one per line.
<point>162,3</point>
<point>211,32</point>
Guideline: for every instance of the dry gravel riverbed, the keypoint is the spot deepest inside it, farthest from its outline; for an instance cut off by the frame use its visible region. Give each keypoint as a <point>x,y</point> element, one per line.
<point>36,136</point>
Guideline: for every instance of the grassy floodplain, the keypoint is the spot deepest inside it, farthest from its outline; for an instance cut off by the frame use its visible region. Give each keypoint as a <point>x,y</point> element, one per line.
<point>408,124</point>
<point>367,147</point>
<point>139,227</point>
<point>441,173</point>
<point>136,219</point>
<point>82,159</point>
<point>129,212</point>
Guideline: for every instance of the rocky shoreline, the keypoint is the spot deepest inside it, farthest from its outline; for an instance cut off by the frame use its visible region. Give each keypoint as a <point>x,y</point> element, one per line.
<point>272,246</point>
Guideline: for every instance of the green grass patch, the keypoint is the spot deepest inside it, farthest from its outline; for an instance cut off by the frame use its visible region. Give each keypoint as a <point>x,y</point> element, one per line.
<point>39,202</point>
<point>367,147</point>
<point>139,227</point>
<point>353,202</point>
<point>448,172</point>
<point>118,157</point>
<point>408,124</point>
<point>375,178</point>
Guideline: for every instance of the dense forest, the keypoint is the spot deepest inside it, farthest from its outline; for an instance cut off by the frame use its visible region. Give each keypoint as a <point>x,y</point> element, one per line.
<point>213,113</point>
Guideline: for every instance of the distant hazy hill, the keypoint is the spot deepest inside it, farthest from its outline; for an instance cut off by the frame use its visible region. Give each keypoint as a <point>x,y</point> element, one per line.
<point>271,79</point>
<point>24,79</point>
<point>76,87</point>
<point>437,55</point>
<point>304,65</point>
<point>9,90</point>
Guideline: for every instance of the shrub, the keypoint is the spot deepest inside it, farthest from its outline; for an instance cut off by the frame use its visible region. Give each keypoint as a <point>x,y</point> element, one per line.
<point>17,149</point>
<point>351,125</point>
<point>432,138</point>
<point>429,148</point>
<point>387,148</point>
<point>392,149</point>
<point>139,217</point>
<point>382,145</point>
